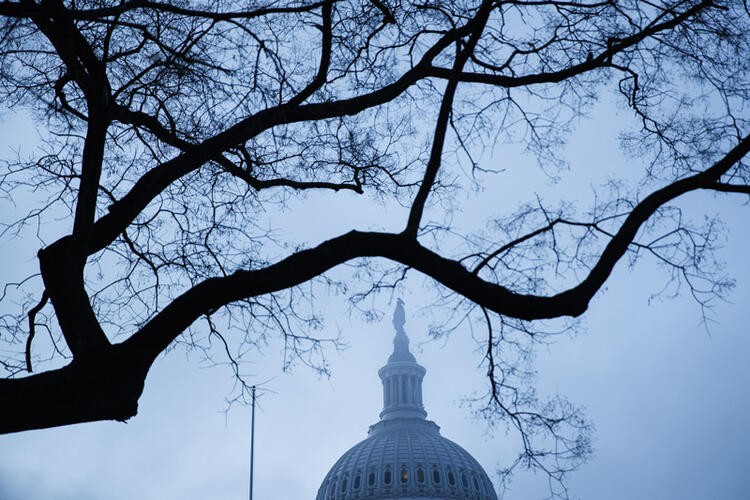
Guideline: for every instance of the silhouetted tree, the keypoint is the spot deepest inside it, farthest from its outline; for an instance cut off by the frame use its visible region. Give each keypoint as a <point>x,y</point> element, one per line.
<point>173,131</point>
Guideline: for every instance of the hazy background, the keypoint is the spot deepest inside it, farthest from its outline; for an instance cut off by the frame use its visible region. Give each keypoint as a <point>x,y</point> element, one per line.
<point>669,398</point>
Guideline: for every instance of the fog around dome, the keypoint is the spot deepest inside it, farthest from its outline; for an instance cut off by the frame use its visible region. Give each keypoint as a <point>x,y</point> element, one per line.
<point>404,456</point>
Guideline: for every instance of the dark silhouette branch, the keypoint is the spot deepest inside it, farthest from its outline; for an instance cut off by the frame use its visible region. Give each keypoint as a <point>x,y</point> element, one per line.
<point>124,7</point>
<point>326,45</point>
<point>602,60</point>
<point>104,388</point>
<point>642,211</point>
<point>259,184</point>
<point>442,120</point>
<point>32,327</point>
<point>142,347</point>
<point>122,213</point>
<point>725,187</point>
<point>402,248</point>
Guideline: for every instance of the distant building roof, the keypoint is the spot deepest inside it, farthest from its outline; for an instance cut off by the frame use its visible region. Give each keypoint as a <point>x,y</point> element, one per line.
<point>404,456</point>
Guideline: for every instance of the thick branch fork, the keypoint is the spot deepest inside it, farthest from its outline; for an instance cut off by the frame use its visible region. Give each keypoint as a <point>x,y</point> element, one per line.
<point>105,388</point>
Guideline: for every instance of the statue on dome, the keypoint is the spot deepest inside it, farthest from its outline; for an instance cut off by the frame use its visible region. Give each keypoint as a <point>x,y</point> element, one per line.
<point>399,316</point>
<point>400,341</point>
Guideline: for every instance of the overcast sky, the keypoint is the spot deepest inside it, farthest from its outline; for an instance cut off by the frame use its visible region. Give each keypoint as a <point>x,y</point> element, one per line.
<point>669,399</point>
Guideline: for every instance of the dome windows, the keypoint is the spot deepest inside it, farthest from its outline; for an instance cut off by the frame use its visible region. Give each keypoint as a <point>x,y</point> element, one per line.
<point>435,475</point>
<point>451,477</point>
<point>343,485</point>
<point>404,474</point>
<point>420,474</point>
<point>406,462</point>
<point>387,475</point>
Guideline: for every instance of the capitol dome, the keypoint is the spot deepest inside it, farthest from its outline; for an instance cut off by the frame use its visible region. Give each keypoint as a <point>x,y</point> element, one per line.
<point>404,457</point>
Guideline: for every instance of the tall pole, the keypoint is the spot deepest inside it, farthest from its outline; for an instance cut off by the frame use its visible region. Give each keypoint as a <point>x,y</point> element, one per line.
<point>252,439</point>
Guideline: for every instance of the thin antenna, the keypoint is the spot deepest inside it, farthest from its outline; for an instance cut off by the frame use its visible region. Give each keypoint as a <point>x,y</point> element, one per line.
<point>252,439</point>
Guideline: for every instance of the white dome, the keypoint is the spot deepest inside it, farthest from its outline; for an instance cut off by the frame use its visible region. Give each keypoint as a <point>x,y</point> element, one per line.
<point>404,456</point>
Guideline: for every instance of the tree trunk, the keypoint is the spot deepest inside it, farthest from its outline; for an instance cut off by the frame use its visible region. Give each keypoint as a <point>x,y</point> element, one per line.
<point>105,388</point>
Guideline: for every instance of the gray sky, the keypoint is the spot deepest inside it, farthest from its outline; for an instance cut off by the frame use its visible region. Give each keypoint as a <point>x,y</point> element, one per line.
<point>668,398</point>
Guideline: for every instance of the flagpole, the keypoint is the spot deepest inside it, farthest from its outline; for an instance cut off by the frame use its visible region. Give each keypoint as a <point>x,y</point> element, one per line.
<point>252,439</point>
